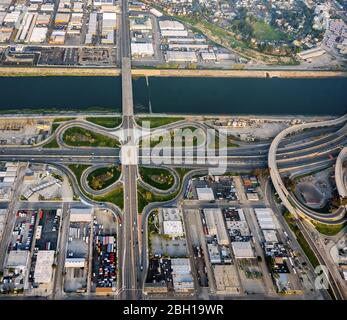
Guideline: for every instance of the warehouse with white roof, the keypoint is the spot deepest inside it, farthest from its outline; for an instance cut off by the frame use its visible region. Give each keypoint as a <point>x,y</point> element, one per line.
<point>242,250</point>
<point>265,218</point>
<point>142,49</point>
<point>181,56</point>
<point>81,214</point>
<point>38,35</point>
<point>43,267</point>
<point>215,225</point>
<point>214,253</point>
<point>170,25</point>
<point>270,236</point>
<point>18,259</point>
<point>172,223</point>
<point>173,228</point>
<point>208,56</point>
<point>205,194</point>
<point>181,275</point>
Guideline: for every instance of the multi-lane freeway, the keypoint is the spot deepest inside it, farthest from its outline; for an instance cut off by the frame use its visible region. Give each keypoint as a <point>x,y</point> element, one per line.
<point>130,252</point>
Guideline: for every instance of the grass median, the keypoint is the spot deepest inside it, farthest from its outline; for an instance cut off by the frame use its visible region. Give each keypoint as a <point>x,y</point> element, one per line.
<point>329,230</point>
<point>301,239</point>
<point>107,122</point>
<point>158,121</point>
<point>186,136</point>
<point>52,144</point>
<point>145,197</point>
<point>63,119</point>
<point>80,137</point>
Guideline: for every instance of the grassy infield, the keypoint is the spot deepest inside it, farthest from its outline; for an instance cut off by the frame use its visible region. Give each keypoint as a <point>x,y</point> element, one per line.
<point>115,196</point>
<point>80,137</point>
<point>166,178</point>
<point>95,139</point>
<point>56,123</point>
<point>144,197</point>
<point>102,178</point>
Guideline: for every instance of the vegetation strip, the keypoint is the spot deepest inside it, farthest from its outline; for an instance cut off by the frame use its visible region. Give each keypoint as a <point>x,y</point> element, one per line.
<point>115,196</point>
<point>102,178</point>
<point>301,239</point>
<point>80,137</point>
<point>52,144</point>
<point>107,122</point>
<point>157,177</point>
<point>158,121</point>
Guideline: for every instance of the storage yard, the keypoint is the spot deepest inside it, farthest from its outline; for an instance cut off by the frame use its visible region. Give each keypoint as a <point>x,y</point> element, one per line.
<point>43,256</point>
<point>78,250</point>
<point>23,132</point>
<point>104,265</point>
<point>31,252</point>
<point>15,274</point>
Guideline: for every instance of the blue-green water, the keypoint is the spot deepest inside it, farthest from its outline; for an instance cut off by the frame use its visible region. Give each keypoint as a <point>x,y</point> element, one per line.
<point>60,93</point>
<point>327,96</point>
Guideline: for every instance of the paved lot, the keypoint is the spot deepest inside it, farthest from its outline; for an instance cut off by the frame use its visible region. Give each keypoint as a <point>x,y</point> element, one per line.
<point>172,248</point>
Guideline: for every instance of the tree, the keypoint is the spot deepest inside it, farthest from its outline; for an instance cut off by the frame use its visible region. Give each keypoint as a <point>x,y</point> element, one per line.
<point>289,183</point>
<point>261,172</point>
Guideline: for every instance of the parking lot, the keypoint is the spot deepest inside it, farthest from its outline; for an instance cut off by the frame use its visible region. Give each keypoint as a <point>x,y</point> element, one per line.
<point>222,187</point>
<point>46,237</point>
<point>23,231</point>
<point>76,257</point>
<point>168,247</point>
<point>159,270</point>
<point>200,266</point>
<point>49,224</point>
<point>104,264</point>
